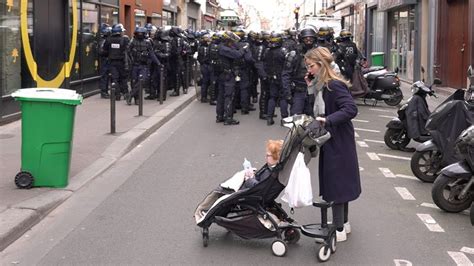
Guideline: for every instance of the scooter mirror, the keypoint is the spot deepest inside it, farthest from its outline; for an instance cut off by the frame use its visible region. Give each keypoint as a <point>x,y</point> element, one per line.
<point>437,81</point>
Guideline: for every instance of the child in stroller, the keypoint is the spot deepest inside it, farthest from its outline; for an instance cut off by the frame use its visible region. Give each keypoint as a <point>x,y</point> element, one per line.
<point>250,211</point>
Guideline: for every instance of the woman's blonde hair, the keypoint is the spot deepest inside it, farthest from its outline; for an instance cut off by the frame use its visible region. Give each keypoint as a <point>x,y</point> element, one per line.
<point>274,147</point>
<point>323,57</point>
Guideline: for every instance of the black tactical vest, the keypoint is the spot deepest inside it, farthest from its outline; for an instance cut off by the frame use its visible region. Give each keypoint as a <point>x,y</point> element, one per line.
<point>117,48</point>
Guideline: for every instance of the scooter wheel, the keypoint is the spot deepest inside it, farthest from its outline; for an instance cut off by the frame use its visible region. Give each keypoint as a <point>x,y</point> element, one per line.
<point>395,139</point>
<point>445,194</point>
<point>396,99</point>
<point>425,165</point>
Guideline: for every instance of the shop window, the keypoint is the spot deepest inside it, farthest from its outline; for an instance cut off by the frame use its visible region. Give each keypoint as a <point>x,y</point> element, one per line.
<point>112,2</point>
<point>10,47</point>
<point>140,18</point>
<point>89,37</point>
<point>75,71</point>
<point>109,15</point>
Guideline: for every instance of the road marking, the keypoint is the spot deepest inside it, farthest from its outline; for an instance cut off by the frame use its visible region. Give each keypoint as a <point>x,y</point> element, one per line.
<point>433,206</point>
<point>395,157</point>
<point>361,168</point>
<point>367,130</point>
<point>386,116</point>
<point>430,222</point>
<point>356,135</point>
<point>467,250</point>
<point>361,121</point>
<point>373,156</point>
<point>375,141</point>
<point>386,172</point>
<point>402,262</point>
<point>404,193</point>
<point>406,176</point>
<point>362,144</point>
<point>460,258</point>
<point>380,110</point>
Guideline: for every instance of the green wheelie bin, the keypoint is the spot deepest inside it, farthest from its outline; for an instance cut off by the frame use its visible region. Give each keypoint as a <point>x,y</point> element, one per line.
<point>377,58</point>
<point>47,125</point>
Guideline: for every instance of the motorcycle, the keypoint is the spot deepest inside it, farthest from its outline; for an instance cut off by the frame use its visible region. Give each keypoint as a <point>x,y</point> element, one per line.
<point>383,85</point>
<point>445,123</point>
<point>411,120</point>
<point>453,189</point>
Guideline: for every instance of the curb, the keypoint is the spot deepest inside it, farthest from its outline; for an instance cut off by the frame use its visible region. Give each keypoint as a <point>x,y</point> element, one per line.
<point>19,218</point>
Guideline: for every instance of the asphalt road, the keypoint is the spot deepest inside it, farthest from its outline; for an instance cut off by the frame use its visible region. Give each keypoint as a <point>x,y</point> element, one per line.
<point>140,211</point>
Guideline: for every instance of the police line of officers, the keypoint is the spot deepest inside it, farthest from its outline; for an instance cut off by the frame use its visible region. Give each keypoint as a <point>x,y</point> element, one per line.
<point>231,64</point>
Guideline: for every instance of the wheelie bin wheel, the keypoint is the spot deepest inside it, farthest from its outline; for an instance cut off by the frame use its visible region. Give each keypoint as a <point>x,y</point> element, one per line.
<point>24,180</point>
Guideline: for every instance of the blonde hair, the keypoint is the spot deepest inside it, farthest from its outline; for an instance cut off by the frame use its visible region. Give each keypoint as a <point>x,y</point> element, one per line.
<point>323,57</point>
<point>274,147</point>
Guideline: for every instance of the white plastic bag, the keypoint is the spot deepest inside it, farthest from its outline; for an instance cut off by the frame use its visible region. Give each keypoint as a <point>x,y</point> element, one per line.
<point>299,193</point>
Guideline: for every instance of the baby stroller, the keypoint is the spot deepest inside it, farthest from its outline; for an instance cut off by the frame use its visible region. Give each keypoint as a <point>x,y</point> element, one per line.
<point>253,213</point>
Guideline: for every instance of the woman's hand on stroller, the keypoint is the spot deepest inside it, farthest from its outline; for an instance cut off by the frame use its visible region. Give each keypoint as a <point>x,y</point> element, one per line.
<point>249,174</point>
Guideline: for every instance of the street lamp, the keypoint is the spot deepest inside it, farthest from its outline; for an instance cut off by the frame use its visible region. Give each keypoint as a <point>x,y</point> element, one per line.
<point>296,11</point>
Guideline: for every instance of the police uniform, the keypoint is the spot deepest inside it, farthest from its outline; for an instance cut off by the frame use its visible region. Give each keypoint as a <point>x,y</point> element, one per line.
<point>116,48</point>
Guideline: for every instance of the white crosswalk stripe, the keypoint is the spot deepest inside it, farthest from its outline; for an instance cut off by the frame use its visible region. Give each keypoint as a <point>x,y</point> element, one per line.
<point>467,250</point>
<point>362,144</point>
<point>430,223</point>
<point>394,156</point>
<point>367,130</point>
<point>404,193</point>
<point>386,116</point>
<point>406,176</point>
<point>356,135</point>
<point>360,121</point>
<point>460,258</point>
<point>374,141</point>
<point>380,110</point>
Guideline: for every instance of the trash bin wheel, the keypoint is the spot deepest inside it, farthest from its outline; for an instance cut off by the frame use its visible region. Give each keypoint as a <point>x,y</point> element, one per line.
<point>24,180</point>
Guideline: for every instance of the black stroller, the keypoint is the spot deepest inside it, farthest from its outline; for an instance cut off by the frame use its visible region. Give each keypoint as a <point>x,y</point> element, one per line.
<point>253,213</point>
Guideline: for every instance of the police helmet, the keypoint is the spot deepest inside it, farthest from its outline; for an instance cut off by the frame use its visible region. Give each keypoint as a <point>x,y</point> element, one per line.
<point>140,32</point>
<point>324,33</point>
<point>293,32</point>
<point>240,32</point>
<point>105,29</point>
<point>275,40</point>
<point>206,38</point>
<point>307,32</point>
<point>345,35</point>
<point>265,35</point>
<point>165,35</point>
<point>118,28</point>
<point>230,36</point>
<point>175,31</point>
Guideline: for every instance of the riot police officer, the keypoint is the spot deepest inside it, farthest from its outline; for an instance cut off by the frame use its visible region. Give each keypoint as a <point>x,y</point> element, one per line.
<point>242,68</point>
<point>274,62</point>
<point>162,50</point>
<point>294,72</point>
<point>228,52</point>
<point>346,54</point>
<point>216,67</point>
<point>289,42</point>
<point>141,53</point>
<point>117,49</point>
<point>105,31</point>
<point>178,50</point>
<point>204,59</point>
<point>325,38</point>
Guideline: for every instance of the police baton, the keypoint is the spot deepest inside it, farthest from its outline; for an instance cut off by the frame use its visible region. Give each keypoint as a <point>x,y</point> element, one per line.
<point>140,95</point>
<point>112,105</point>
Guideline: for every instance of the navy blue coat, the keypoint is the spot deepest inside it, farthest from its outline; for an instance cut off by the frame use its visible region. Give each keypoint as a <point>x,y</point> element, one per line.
<point>339,178</point>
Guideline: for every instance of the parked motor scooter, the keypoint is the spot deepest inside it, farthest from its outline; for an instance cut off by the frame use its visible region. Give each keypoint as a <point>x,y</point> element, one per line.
<point>453,189</point>
<point>445,124</point>
<point>383,85</point>
<point>411,120</point>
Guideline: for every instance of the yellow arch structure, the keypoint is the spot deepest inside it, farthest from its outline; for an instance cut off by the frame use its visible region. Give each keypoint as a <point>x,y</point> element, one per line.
<point>30,60</point>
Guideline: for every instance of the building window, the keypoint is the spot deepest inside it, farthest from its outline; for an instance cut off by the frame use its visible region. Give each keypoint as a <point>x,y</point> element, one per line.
<point>192,23</point>
<point>169,18</point>
<point>140,18</point>
<point>109,15</point>
<point>90,33</point>
<point>155,19</point>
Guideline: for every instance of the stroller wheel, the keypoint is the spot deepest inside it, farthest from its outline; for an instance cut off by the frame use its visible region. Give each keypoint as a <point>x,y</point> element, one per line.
<point>292,236</point>
<point>279,248</point>
<point>205,237</point>
<point>332,242</point>
<point>324,253</point>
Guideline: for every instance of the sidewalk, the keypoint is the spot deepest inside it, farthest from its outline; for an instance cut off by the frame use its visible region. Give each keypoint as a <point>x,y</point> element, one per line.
<point>94,150</point>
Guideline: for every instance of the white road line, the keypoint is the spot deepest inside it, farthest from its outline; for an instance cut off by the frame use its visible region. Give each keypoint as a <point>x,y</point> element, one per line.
<point>394,156</point>
<point>374,141</point>
<point>360,121</point>
<point>402,262</point>
<point>361,168</point>
<point>356,135</point>
<point>367,130</point>
<point>381,110</point>
<point>386,172</point>
<point>429,205</point>
<point>460,258</point>
<point>362,144</point>
<point>430,222</point>
<point>404,193</point>
<point>467,250</point>
<point>406,176</point>
<point>386,116</point>
<point>373,156</point>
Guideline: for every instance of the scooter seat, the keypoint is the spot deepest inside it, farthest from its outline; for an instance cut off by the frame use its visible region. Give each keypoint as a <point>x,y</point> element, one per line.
<point>374,75</point>
<point>372,69</point>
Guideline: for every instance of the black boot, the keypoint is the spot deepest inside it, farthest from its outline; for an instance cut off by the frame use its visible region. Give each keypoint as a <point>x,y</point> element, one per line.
<point>104,95</point>
<point>231,122</point>
<point>135,100</point>
<point>254,99</point>
<point>204,100</point>
<point>262,116</point>
<point>244,112</point>
<point>128,99</point>
<point>219,119</point>
<point>185,91</point>
<point>150,97</point>
<point>213,102</point>
<point>270,121</point>
<point>118,97</point>
<point>174,93</point>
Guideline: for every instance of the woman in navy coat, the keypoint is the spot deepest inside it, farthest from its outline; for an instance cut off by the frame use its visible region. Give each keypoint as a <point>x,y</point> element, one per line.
<point>339,178</point>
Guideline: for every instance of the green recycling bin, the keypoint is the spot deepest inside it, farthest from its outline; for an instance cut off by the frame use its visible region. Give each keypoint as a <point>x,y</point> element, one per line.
<point>377,58</point>
<point>47,125</point>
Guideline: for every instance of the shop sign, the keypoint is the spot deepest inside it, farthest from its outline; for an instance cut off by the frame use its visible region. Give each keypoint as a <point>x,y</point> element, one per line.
<point>385,5</point>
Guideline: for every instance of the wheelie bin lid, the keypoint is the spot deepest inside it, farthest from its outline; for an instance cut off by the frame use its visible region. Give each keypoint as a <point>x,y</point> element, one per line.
<point>48,95</point>
<point>377,53</point>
